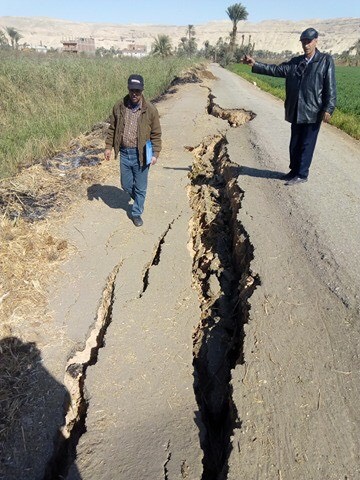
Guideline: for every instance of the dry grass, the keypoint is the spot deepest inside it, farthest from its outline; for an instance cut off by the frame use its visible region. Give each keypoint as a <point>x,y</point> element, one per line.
<point>18,367</point>
<point>33,205</point>
<point>27,255</point>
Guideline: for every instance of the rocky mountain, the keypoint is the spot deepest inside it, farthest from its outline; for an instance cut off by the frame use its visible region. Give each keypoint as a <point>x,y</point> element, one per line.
<point>336,35</point>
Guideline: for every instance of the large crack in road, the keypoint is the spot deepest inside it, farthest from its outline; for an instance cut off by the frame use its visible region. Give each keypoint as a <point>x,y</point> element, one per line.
<point>156,257</point>
<point>234,116</point>
<point>74,381</point>
<point>75,373</point>
<point>222,254</point>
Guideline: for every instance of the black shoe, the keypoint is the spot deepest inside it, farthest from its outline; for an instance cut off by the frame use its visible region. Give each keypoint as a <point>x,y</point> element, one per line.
<point>296,180</point>
<point>288,176</point>
<point>137,221</point>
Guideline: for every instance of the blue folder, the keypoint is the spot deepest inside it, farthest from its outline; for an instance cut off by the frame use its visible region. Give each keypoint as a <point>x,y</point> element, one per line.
<point>148,152</point>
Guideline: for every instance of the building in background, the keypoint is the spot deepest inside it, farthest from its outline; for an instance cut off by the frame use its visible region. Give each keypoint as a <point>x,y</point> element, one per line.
<point>79,45</point>
<point>134,50</point>
<point>40,48</point>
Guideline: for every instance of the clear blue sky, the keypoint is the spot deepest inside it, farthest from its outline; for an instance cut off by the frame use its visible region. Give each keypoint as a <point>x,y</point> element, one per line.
<point>177,12</point>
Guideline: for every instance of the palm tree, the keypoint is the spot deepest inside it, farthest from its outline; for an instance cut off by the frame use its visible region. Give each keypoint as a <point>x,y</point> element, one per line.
<point>236,13</point>
<point>190,32</point>
<point>17,37</point>
<point>208,49</point>
<point>13,35</point>
<point>162,46</point>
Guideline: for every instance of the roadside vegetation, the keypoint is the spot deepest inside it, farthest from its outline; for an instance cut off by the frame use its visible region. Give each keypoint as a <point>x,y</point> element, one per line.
<point>49,99</point>
<point>347,113</point>
<point>46,100</point>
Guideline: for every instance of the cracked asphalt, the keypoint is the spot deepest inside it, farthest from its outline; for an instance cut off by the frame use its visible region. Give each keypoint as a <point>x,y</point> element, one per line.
<point>147,355</point>
<point>297,388</point>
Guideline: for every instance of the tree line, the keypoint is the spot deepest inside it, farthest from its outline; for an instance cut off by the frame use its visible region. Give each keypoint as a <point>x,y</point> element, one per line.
<point>224,52</point>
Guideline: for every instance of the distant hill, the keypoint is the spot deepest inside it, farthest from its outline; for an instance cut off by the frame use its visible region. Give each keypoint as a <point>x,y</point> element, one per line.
<point>336,35</point>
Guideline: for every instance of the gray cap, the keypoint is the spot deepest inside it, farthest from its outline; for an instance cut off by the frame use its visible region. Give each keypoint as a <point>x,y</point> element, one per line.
<point>309,34</point>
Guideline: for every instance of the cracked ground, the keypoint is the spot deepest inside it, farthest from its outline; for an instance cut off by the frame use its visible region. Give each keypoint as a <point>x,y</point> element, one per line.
<point>220,340</point>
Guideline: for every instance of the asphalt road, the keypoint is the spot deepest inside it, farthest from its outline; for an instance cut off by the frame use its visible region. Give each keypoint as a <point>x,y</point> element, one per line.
<point>294,384</point>
<point>298,386</point>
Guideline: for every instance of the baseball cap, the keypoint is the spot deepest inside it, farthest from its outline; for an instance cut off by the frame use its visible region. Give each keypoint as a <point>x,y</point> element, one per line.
<point>135,82</point>
<point>309,34</point>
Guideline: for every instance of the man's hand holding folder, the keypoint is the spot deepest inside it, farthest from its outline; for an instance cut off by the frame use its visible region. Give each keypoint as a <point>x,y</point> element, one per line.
<point>150,159</point>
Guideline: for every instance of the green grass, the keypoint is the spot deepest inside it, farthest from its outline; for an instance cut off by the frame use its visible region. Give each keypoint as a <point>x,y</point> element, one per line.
<point>347,113</point>
<point>47,100</point>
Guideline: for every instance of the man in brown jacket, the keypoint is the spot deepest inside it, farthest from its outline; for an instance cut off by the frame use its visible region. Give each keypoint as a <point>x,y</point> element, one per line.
<point>133,123</point>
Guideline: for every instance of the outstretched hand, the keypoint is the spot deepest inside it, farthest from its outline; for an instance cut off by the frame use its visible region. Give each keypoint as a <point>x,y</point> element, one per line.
<point>247,60</point>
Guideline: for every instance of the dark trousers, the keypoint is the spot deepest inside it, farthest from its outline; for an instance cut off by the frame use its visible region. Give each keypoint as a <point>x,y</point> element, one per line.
<point>302,146</point>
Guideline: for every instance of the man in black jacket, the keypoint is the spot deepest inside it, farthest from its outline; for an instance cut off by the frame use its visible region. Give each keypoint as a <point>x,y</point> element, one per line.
<point>310,99</point>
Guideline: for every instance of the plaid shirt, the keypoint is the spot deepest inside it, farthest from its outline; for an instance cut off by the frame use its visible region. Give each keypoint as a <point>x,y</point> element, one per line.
<point>132,115</point>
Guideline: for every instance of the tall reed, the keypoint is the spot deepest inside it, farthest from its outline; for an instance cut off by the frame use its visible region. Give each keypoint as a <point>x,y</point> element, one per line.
<point>48,99</point>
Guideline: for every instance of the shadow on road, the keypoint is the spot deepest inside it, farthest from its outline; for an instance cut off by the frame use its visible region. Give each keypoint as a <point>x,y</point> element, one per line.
<point>258,173</point>
<point>33,406</point>
<point>112,196</point>
<point>178,168</point>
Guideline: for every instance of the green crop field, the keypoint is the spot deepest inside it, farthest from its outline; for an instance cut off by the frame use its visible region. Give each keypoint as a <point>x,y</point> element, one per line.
<point>47,100</point>
<point>347,113</point>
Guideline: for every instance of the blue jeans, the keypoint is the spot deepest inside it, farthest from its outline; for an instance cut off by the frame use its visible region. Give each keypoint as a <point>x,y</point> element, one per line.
<point>302,146</point>
<point>134,178</point>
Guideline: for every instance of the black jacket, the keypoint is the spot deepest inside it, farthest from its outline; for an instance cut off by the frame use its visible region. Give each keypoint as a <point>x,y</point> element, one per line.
<point>308,94</point>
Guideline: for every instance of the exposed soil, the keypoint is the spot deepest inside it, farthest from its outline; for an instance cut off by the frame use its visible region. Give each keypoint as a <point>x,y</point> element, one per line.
<point>222,276</point>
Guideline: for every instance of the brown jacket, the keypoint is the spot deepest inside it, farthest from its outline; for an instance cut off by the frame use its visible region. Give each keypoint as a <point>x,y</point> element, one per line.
<point>148,128</point>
